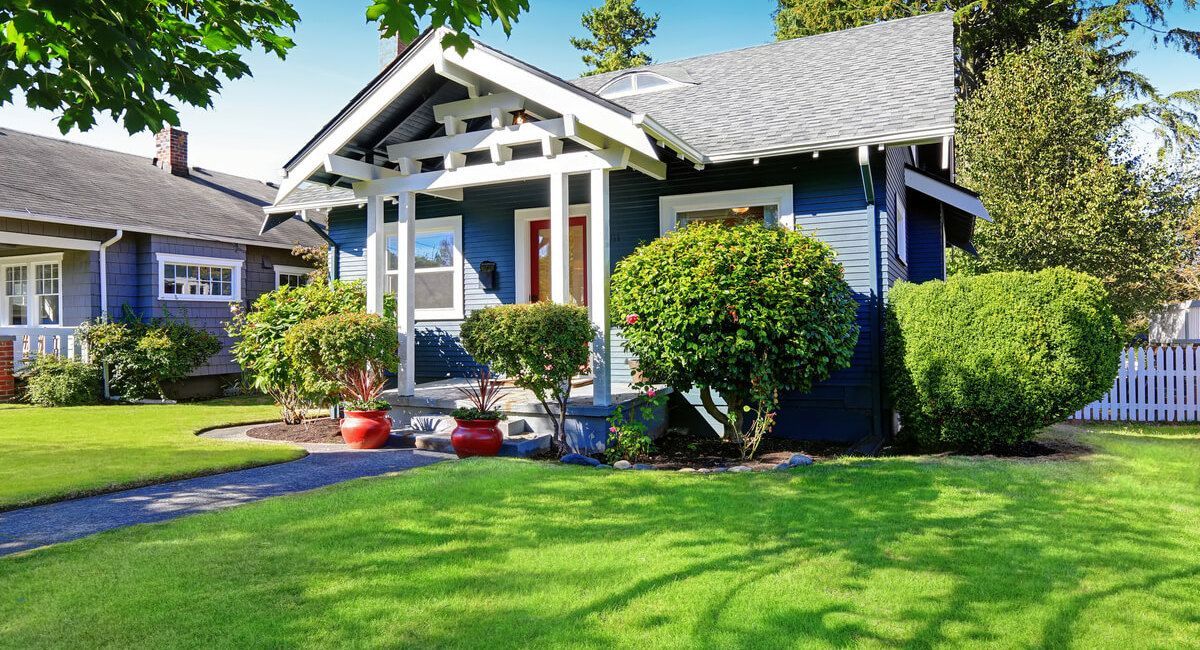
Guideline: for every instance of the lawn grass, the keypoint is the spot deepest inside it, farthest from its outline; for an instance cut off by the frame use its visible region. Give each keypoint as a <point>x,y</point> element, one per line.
<point>47,454</point>
<point>1102,552</point>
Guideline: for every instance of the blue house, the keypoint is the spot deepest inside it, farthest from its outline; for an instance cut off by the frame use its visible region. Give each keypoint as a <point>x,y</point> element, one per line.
<point>86,231</point>
<point>463,181</point>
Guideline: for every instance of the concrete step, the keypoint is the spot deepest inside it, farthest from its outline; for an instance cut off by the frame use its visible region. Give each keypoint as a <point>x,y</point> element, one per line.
<point>520,446</point>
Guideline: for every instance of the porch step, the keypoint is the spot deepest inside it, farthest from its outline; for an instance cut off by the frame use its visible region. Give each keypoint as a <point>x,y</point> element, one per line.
<point>521,446</point>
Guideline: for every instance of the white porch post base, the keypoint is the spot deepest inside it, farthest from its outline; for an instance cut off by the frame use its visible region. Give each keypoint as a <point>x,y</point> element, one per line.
<point>599,254</point>
<point>406,373</point>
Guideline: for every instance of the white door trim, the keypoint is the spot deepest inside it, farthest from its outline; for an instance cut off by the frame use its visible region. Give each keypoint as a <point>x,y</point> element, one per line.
<point>521,220</point>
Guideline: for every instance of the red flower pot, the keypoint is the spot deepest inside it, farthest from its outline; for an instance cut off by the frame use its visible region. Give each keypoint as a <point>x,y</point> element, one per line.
<point>476,438</point>
<point>366,429</point>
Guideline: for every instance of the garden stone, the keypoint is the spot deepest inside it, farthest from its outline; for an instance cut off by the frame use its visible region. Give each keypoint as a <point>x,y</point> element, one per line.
<point>643,466</point>
<point>718,470</point>
<point>783,466</point>
<point>579,459</point>
<point>622,464</point>
<point>799,459</point>
<point>740,468</point>
<point>603,466</point>
<point>687,469</point>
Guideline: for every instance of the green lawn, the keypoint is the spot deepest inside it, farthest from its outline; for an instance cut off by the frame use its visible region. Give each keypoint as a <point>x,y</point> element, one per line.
<point>1103,552</point>
<point>48,454</point>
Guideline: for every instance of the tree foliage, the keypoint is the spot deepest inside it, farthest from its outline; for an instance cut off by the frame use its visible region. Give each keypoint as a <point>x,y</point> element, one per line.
<point>975,363</point>
<point>1048,150</point>
<point>345,354</point>
<point>403,18</point>
<point>619,28</point>
<point>747,311</point>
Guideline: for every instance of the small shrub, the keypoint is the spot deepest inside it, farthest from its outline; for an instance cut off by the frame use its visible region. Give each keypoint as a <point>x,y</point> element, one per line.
<point>747,311</point>
<point>976,363</point>
<point>259,334</point>
<point>627,437</point>
<point>541,346</point>
<point>345,355</point>
<point>51,380</point>
<point>483,395</point>
<point>142,356</point>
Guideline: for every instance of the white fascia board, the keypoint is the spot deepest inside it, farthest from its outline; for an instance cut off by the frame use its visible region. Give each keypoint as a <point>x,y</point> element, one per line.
<point>672,141</point>
<point>924,136</point>
<point>312,205</point>
<point>47,241</point>
<point>486,174</point>
<point>614,125</point>
<point>946,192</point>
<point>401,77</point>
<point>88,223</point>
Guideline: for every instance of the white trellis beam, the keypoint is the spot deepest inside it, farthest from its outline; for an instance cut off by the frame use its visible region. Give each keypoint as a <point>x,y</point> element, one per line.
<point>466,109</point>
<point>357,169</point>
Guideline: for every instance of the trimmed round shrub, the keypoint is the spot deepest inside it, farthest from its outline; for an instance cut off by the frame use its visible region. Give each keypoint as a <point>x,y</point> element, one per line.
<point>745,310</point>
<point>346,355</point>
<point>985,362</point>
<point>51,380</point>
<point>143,355</point>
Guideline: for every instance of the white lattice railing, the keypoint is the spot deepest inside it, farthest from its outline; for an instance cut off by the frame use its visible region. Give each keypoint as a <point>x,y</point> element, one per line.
<point>44,339</point>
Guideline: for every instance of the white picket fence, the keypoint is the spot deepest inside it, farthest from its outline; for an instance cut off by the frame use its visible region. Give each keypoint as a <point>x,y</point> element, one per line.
<point>1154,384</point>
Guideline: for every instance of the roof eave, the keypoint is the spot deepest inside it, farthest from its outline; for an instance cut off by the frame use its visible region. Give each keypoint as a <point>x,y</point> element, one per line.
<point>897,138</point>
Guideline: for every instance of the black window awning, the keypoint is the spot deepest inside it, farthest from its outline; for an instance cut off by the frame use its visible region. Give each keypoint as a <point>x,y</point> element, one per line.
<point>960,206</point>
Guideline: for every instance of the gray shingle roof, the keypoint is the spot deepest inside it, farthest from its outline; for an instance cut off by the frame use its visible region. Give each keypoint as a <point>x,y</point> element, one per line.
<point>52,177</point>
<point>887,78</point>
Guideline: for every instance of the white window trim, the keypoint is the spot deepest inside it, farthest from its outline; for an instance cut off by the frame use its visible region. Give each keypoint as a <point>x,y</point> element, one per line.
<point>901,232</point>
<point>31,305</point>
<point>437,224</point>
<point>780,196</point>
<point>280,269</point>
<point>521,221</point>
<point>671,83</point>
<point>224,262</point>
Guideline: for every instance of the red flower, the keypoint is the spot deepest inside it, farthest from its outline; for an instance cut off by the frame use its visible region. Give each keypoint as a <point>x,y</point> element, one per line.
<point>631,319</point>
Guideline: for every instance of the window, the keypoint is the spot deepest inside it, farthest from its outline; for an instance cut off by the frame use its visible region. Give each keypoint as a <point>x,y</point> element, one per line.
<point>181,277</point>
<point>31,288</point>
<point>766,204</point>
<point>636,82</point>
<point>291,276</point>
<point>437,257</point>
<point>901,231</point>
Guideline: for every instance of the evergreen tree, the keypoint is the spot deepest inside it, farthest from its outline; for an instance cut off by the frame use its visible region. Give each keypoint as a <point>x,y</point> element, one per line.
<point>619,28</point>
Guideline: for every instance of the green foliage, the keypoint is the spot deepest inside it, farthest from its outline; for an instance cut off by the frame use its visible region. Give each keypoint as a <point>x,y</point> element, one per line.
<point>51,380</point>
<point>345,354</point>
<point>746,310</point>
<point>541,346</point>
<point>473,413</point>
<point>132,58</point>
<point>405,18</point>
<point>483,395</point>
<point>976,363</point>
<point>627,437</point>
<point>1045,147</point>
<point>142,355</point>
<point>618,28</point>
<point>259,339</point>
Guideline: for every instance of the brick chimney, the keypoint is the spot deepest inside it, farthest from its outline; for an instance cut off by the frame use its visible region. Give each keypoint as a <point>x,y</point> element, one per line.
<point>390,48</point>
<point>170,150</point>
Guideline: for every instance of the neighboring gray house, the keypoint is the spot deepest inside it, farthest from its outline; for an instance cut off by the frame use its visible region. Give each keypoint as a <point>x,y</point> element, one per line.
<point>539,186</point>
<point>84,231</point>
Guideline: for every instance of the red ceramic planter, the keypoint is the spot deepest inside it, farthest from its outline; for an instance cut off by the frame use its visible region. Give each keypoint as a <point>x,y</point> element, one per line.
<point>366,429</point>
<point>476,438</point>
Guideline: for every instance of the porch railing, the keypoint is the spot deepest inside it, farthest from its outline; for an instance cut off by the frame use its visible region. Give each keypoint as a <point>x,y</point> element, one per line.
<point>33,340</point>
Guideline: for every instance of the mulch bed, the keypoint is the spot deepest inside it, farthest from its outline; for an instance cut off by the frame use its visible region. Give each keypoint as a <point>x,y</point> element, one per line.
<point>323,430</point>
<point>1049,446</point>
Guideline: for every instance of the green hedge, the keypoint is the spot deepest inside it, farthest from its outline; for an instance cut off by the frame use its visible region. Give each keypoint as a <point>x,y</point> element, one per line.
<point>976,363</point>
<point>51,380</point>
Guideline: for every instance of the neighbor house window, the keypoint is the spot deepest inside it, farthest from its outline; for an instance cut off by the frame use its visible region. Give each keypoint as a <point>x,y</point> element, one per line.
<point>438,275</point>
<point>32,290</point>
<point>291,276</point>
<point>182,277</point>
<point>767,205</point>
<point>901,231</point>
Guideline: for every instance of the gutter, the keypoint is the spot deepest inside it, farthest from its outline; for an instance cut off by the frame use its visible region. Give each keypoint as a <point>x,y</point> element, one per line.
<point>49,218</point>
<point>104,296</point>
<point>664,137</point>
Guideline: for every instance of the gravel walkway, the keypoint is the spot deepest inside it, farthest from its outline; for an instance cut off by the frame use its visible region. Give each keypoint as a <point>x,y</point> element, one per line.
<point>28,528</point>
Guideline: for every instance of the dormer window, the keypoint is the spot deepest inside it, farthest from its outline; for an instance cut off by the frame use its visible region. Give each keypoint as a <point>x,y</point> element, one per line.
<point>635,83</point>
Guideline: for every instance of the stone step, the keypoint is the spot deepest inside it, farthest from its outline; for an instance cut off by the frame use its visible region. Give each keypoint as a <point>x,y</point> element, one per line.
<point>520,446</point>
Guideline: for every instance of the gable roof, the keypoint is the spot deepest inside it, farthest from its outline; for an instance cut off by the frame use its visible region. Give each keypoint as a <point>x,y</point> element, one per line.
<point>878,81</point>
<point>43,178</point>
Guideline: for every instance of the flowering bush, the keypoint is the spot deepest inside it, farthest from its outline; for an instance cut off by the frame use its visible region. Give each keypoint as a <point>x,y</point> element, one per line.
<point>345,355</point>
<point>541,346</point>
<point>747,311</point>
<point>627,438</point>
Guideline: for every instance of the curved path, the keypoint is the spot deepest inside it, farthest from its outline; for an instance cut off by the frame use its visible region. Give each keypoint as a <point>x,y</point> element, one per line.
<point>325,464</point>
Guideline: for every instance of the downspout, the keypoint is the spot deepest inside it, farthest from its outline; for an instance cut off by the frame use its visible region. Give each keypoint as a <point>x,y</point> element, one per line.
<point>864,165</point>
<point>104,294</point>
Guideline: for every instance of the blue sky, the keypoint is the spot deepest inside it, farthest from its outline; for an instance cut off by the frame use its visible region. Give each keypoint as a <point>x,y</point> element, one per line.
<point>258,122</point>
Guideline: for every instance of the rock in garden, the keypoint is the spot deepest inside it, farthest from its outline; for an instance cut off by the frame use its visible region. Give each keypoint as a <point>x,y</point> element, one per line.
<point>642,466</point>
<point>783,466</point>
<point>740,468</point>
<point>603,466</point>
<point>800,459</point>
<point>579,459</point>
<point>687,469</point>
<point>622,464</point>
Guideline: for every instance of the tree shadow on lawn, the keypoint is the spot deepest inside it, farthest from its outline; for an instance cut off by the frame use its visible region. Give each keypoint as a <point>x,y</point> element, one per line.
<point>898,551</point>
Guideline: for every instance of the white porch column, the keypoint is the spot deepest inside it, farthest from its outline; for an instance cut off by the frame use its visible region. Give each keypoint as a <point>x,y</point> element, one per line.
<point>560,233</point>
<point>598,269</point>
<point>406,373</point>
<point>376,255</point>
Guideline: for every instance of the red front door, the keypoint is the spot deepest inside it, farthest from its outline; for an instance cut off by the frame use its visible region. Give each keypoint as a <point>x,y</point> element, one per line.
<point>539,260</point>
